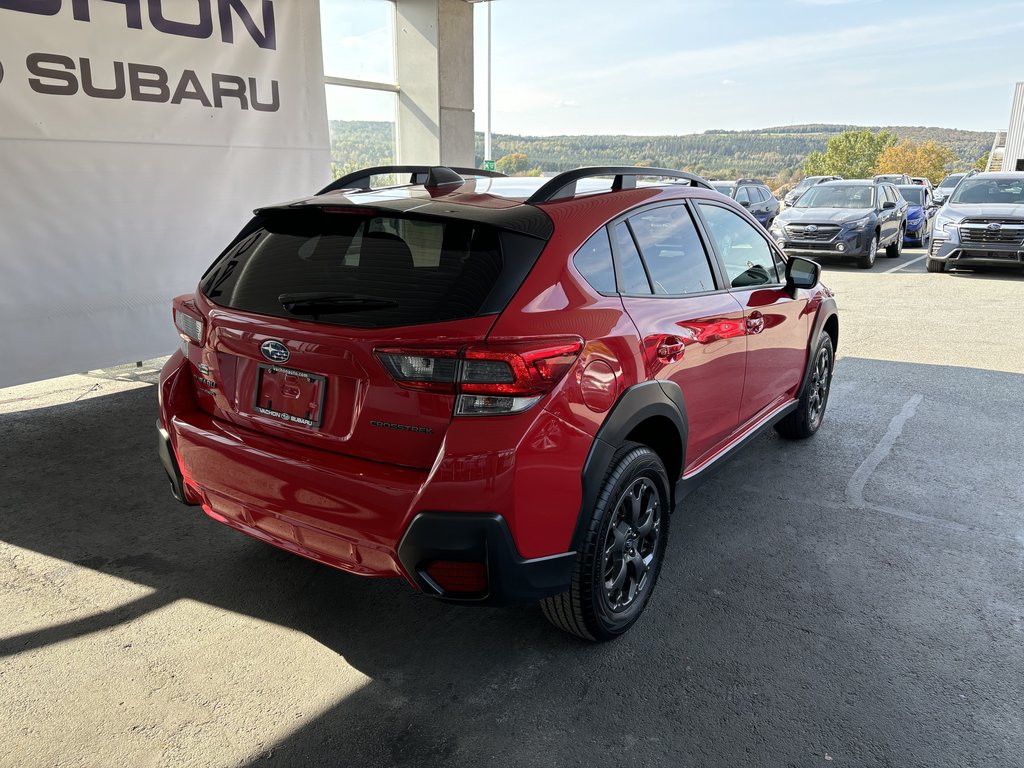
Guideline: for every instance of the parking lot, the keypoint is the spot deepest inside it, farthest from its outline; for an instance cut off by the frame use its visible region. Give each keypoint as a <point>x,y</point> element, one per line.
<point>856,599</point>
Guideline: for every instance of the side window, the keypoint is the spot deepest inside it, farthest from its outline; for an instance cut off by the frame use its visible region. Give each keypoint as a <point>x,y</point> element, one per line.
<point>672,250</point>
<point>742,196</point>
<point>746,255</point>
<point>632,275</point>
<point>766,194</point>
<point>594,262</point>
<point>890,193</point>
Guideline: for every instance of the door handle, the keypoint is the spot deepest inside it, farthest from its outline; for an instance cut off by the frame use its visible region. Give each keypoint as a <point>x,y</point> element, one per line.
<point>755,322</point>
<point>671,349</point>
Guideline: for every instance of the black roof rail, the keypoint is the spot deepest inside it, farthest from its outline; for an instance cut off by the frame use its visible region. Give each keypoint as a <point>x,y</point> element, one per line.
<point>749,181</point>
<point>428,175</point>
<point>564,184</point>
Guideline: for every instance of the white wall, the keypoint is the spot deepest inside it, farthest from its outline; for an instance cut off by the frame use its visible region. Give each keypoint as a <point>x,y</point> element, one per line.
<point>111,206</point>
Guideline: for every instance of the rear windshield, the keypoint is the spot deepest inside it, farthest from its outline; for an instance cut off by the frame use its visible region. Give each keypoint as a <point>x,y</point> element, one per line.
<point>950,181</point>
<point>913,194</point>
<point>370,270</point>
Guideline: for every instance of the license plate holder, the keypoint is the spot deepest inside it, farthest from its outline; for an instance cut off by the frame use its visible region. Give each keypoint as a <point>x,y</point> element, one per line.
<point>290,395</point>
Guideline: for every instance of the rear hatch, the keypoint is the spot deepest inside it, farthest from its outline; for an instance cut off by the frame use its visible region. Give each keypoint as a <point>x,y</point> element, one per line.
<point>341,328</point>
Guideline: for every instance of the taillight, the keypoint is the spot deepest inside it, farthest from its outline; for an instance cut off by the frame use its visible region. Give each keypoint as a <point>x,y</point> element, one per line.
<point>187,320</point>
<point>493,379</point>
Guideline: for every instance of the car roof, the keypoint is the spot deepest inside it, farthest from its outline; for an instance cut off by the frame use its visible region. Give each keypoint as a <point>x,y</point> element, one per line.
<point>850,182</point>
<point>1000,175</point>
<point>507,202</point>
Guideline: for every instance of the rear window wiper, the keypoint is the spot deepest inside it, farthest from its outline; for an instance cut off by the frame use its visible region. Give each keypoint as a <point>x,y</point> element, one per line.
<point>317,303</point>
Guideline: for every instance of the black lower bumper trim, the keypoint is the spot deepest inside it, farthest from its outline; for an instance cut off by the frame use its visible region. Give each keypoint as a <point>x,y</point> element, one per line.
<point>171,466</point>
<point>480,537</point>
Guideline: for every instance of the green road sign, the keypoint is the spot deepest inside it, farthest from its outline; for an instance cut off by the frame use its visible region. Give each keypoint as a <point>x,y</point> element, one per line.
<point>488,165</point>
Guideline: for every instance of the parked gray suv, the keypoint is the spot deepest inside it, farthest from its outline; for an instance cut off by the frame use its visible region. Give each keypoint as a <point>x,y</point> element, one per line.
<point>849,219</point>
<point>982,223</point>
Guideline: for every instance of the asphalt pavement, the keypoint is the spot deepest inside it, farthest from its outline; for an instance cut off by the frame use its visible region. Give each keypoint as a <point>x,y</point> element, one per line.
<point>853,600</point>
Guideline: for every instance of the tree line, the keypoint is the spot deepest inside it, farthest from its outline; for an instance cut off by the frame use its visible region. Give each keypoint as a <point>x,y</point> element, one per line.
<point>780,154</point>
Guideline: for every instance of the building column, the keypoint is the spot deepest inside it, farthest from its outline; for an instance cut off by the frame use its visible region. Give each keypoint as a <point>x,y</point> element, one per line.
<point>434,70</point>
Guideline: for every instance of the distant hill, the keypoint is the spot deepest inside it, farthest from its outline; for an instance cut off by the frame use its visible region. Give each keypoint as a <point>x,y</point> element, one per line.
<point>764,152</point>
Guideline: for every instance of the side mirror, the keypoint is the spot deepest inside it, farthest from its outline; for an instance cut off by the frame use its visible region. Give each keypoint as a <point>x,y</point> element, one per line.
<point>745,203</point>
<point>801,273</point>
<point>888,205</point>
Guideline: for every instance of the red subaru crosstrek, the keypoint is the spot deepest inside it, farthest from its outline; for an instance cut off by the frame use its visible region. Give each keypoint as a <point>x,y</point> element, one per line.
<point>497,389</point>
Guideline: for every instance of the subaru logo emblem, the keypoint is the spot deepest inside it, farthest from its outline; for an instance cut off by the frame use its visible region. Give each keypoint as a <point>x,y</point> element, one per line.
<point>995,225</point>
<point>275,351</point>
<point>812,227</point>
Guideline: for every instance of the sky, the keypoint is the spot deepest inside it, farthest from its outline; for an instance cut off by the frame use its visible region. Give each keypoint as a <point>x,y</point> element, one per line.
<point>651,67</point>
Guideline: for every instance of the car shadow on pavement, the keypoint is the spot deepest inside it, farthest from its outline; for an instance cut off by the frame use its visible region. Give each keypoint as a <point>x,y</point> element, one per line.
<point>788,623</point>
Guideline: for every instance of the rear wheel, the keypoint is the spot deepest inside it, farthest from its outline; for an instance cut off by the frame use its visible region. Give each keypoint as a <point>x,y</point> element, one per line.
<point>867,260</point>
<point>933,265</point>
<point>810,410</point>
<point>622,551</point>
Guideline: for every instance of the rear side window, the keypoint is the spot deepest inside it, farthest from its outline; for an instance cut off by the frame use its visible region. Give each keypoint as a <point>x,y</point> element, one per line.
<point>672,251</point>
<point>370,271</point>
<point>594,262</point>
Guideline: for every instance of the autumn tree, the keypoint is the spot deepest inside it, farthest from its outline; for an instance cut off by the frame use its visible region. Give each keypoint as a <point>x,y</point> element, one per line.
<point>516,164</point>
<point>851,154</point>
<point>928,159</point>
<point>981,163</point>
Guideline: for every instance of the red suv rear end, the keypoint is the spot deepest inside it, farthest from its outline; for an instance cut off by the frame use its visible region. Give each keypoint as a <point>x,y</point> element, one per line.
<point>497,389</point>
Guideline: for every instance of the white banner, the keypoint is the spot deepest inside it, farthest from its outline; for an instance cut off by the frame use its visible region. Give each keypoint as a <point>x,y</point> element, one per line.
<point>136,137</point>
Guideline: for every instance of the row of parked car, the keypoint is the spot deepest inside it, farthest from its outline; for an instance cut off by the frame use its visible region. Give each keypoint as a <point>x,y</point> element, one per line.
<point>969,219</point>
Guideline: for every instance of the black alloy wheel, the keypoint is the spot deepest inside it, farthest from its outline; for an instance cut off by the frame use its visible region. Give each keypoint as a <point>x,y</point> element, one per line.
<point>810,410</point>
<point>622,551</point>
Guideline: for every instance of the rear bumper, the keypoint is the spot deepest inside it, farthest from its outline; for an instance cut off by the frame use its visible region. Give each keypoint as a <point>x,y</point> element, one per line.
<point>361,516</point>
<point>481,538</point>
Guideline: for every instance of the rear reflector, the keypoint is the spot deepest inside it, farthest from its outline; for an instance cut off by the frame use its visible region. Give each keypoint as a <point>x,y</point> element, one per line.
<point>458,576</point>
<point>491,379</point>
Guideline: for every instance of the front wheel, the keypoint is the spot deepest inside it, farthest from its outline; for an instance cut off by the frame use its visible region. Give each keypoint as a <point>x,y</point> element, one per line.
<point>622,550</point>
<point>810,409</point>
<point>933,265</point>
<point>867,260</point>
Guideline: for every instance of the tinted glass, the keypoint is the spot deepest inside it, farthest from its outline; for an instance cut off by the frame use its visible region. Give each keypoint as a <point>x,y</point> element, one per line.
<point>672,250</point>
<point>765,193</point>
<point>743,195</point>
<point>594,261</point>
<point>806,183</point>
<point>632,276</point>
<point>368,271</point>
<point>745,253</point>
<point>912,193</point>
<point>725,189</point>
<point>951,180</point>
<point>990,191</point>
<point>840,196</point>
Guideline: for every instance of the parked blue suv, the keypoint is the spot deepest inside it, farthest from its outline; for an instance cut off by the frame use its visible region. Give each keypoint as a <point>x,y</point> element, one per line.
<point>920,210</point>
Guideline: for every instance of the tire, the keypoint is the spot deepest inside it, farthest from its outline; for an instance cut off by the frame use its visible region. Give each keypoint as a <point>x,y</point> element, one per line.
<point>867,260</point>
<point>932,265</point>
<point>810,410</point>
<point>895,248</point>
<point>627,533</point>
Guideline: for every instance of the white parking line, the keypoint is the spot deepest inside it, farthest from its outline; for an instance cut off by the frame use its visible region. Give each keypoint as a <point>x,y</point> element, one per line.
<point>901,266</point>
